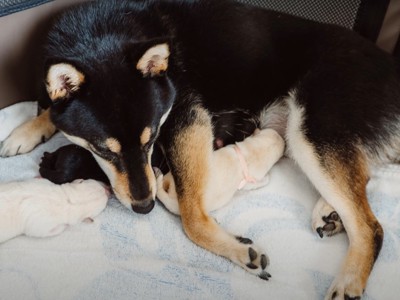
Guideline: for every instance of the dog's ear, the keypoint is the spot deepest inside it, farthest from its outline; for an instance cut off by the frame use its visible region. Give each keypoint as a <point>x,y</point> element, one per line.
<point>154,61</point>
<point>62,80</point>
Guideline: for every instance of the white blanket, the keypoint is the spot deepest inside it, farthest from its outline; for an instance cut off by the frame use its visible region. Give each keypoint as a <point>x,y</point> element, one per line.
<point>123,255</point>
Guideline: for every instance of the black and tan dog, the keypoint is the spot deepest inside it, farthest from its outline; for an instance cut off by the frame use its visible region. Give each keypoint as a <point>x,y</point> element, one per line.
<point>124,74</point>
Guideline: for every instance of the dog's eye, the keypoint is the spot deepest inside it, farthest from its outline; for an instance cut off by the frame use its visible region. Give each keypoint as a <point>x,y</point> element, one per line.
<point>101,150</point>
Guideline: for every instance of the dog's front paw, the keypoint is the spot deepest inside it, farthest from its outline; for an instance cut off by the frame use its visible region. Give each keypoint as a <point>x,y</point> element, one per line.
<point>252,259</point>
<point>345,288</point>
<point>20,141</point>
<point>325,220</point>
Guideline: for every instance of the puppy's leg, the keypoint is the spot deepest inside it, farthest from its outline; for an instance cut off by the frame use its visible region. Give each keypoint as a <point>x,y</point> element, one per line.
<point>27,136</point>
<point>166,192</point>
<point>190,155</point>
<point>325,220</point>
<point>340,175</point>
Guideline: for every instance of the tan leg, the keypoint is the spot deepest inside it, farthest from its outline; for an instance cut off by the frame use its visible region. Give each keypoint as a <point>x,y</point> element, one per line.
<point>363,229</point>
<point>191,156</point>
<point>341,176</point>
<point>27,136</point>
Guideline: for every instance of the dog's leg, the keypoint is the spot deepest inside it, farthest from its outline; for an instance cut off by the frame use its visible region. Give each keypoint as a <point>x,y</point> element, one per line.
<point>190,153</point>
<point>325,220</point>
<point>340,175</point>
<point>27,136</point>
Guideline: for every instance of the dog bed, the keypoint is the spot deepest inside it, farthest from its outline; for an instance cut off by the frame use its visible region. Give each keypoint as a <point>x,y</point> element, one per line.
<point>123,255</point>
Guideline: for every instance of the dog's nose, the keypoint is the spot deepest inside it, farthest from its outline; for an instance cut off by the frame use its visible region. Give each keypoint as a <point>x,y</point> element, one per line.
<point>143,207</point>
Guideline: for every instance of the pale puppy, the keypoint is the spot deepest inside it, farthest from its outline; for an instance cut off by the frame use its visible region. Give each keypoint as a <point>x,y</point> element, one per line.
<point>40,208</point>
<point>227,173</point>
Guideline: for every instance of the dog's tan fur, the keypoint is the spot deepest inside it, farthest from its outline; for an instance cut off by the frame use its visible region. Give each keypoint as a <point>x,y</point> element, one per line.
<point>145,136</point>
<point>113,144</point>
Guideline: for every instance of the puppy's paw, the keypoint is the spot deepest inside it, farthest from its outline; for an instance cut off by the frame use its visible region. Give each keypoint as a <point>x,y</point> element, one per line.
<point>21,140</point>
<point>48,161</point>
<point>158,173</point>
<point>251,258</point>
<point>325,220</point>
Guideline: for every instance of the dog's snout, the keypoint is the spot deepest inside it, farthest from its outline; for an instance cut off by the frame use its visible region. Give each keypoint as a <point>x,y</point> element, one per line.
<point>143,207</point>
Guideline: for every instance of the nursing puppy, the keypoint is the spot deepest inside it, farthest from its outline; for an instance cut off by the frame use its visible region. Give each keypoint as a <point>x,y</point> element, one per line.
<point>69,163</point>
<point>39,208</point>
<point>234,167</point>
<point>122,75</point>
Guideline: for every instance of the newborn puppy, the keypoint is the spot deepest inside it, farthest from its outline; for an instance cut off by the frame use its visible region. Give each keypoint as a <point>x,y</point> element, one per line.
<point>40,208</point>
<point>232,126</point>
<point>69,163</point>
<point>241,166</point>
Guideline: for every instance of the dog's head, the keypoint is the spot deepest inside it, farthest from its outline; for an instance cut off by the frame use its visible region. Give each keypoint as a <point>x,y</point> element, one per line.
<point>115,108</point>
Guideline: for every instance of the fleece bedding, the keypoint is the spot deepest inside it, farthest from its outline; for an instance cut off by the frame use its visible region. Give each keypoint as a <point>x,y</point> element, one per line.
<point>122,255</point>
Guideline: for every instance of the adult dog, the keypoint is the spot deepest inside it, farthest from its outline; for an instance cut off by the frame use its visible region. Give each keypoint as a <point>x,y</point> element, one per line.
<point>124,74</point>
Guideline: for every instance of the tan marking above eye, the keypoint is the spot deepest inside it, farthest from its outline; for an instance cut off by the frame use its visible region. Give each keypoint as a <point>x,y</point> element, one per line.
<point>145,136</point>
<point>113,145</point>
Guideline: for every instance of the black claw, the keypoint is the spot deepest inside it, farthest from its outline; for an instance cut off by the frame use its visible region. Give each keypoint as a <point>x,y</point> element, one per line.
<point>252,254</point>
<point>244,240</point>
<point>346,297</point>
<point>252,266</point>
<point>265,275</point>
<point>334,295</point>
<point>320,232</point>
<point>18,149</point>
<point>264,261</point>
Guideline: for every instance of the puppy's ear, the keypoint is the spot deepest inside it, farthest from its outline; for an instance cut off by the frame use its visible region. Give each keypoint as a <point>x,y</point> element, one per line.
<point>62,80</point>
<point>154,61</point>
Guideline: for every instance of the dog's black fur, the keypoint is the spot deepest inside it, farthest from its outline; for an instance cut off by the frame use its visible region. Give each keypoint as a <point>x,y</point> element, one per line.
<point>334,96</point>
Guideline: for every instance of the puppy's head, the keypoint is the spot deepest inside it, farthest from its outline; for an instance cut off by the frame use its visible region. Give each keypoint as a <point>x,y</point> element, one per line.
<point>114,107</point>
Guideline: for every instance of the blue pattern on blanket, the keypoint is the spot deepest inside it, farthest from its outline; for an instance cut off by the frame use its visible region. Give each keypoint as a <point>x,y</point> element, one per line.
<point>171,283</point>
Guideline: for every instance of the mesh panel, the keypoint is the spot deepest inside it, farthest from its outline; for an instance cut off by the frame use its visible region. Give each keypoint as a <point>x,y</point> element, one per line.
<point>340,12</point>
<point>12,6</point>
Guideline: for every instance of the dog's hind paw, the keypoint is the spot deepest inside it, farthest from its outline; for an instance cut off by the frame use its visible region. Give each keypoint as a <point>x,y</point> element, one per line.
<point>325,220</point>
<point>252,259</point>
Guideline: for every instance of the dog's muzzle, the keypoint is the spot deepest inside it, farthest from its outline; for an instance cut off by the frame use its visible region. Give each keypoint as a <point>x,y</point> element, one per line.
<point>143,207</point>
